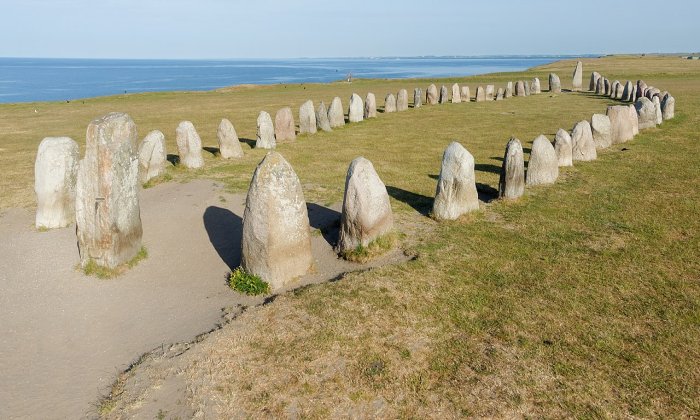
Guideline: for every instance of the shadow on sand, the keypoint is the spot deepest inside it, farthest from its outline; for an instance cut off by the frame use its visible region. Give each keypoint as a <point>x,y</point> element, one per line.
<point>326,220</point>
<point>225,231</point>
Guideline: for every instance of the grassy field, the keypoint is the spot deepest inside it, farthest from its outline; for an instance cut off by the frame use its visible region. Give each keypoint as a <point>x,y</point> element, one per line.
<point>581,299</point>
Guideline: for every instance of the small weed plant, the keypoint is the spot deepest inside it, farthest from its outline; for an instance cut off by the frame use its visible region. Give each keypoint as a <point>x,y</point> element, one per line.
<point>247,283</point>
<point>377,247</point>
<point>92,268</point>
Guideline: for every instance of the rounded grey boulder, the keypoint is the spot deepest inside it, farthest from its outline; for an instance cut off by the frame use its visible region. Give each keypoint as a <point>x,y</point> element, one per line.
<point>152,156</point>
<point>554,83</point>
<point>390,103</point>
<point>417,97</point>
<point>583,146</point>
<point>189,145</point>
<point>444,97</point>
<point>265,138</point>
<point>646,113</point>
<point>370,106</point>
<point>543,166</point>
<point>335,113</point>
<point>229,144</point>
<point>322,122</point>
<point>564,148</point>
<point>356,109</point>
<point>284,126</point>
<point>621,125</point>
<point>602,131</point>
<point>668,107</point>
<point>456,94</point>
<point>402,100</point>
<point>431,95</point>
<point>456,188</point>
<point>308,118</point>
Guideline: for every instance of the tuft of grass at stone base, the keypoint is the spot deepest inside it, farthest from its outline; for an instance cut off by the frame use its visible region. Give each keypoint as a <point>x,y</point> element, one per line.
<point>247,283</point>
<point>374,249</point>
<point>96,270</point>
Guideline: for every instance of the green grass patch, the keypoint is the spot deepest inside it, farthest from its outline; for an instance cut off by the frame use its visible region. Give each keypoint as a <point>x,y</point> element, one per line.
<point>247,283</point>
<point>374,249</point>
<point>92,268</point>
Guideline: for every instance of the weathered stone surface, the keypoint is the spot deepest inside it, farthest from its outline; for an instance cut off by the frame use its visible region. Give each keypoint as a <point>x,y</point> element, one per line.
<point>543,166</point>
<point>456,188</point>
<point>276,243</point>
<point>189,145</point>
<point>602,131</point>
<point>607,85</point>
<point>555,83</point>
<point>512,181</point>
<point>265,138</point>
<point>310,120</point>
<point>509,90</point>
<point>634,118</point>
<point>335,113</point>
<point>489,92</point>
<point>594,81</point>
<point>657,110</point>
<point>390,103</point>
<point>499,94</point>
<point>322,122</point>
<point>520,88</point>
<point>402,100</point>
<point>444,96</point>
<point>641,88</point>
<point>417,97</point>
<point>370,106</point>
<point>153,156</point>
<point>456,94</point>
<point>563,147</point>
<point>284,126</point>
<point>480,94</point>
<point>528,92</point>
<point>583,146</point>
<point>108,217</point>
<point>356,110</point>
<point>613,89</point>
<point>651,92</point>
<point>229,144</point>
<point>577,81</point>
<point>464,94</point>
<point>646,112</point>
<point>668,107</point>
<point>55,172</point>
<point>535,87</point>
<point>627,91</point>
<point>619,90</point>
<point>366,213</point>
<point>431,95</point>
<point>600,86</point>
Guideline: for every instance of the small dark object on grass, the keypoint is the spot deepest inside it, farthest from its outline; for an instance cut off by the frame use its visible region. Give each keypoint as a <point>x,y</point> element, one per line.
<point>624,149</point>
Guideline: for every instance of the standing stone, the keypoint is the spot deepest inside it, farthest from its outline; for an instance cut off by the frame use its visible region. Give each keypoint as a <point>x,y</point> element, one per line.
<point>600,86</point>
<point>284,126</point>
<point>480,95</point>
<point>389,103</point>
<point>266,132</point>
<point>646,112</point>
<point>668,107</point>
<point>578,77</point>
<point>621,127</point>
<point>583,146</point>
<point>356,110</point>
<point>627,92</point>
<point>443,94</point>
<point>456,94</point>
<point>613,89</point>
<point>152,156</point>
<point>490,89</point>
<point>563,147</point>
<point>55,172</point>
<point>189,145</point>
<point>634,118</point>
<point>651,92</point>
<point>499,94</point>
<point>657,109</point>
<point>602,131</point>
<point>536,88</point>
<point>555,83</point>
<point>366,213</point>
<point>370,106</point>
<point>527,88</point>
<point>108,217</point>
<point>512,181</point>
<point>641,88</point>
<point>229,145</point>
<point>335,113</point>
<point>276,243</point>
<point>464,94</point>
<point>543,167</point>
<point>402,100</point>
<point>509,90</point>
<point>309,119</point>
<point>594,81</point>
<point>519,88</point>
<point>322,122</point>
<point>619,91</point>
<point>456,188</point>
<point>431,95</point>
<point>417,97</point>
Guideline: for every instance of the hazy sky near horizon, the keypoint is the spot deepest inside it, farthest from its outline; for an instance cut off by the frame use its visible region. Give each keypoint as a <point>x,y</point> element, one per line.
<point>330,28</point>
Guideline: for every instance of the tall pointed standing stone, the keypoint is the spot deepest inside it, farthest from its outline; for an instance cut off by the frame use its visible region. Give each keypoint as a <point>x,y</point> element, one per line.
<point>366,213</point>
<point>285,130</point>
<point>577,81</point>
<point>563,148</point>
<point>444,96</point>
<point>431,95</point>
<point>464,94</point>
<point>456,94</point>
<point>322,122</point>
<point>528,92</point>
<point>417,97</point>
<point>108,216</point>
<point>335,113</point>
<point>602,131</point>
<point>509,90</point>
<point>389,103</point>
<point>55,172</point>
<point>627,92</point>
<point>229,144</point>
<point>583,146</point>
<point>512,181</point>
<point>276,242</point>
<point>189,145</point>
<point>356,109</point>
<point>668,107</point>
<point>543,166</point>
<point>402,100</point>
<point>554,83</point>
<point>594,81</point>
<point>456,189</point>
<point>308,119</point>
<point>657,110</point>
<point>370,106</point>
<point>153,156</point>
<point>536,88</point>
<point>265,138</point>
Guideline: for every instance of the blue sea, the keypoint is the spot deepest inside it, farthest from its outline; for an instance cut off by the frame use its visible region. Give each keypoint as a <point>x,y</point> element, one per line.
<point>38,79</point>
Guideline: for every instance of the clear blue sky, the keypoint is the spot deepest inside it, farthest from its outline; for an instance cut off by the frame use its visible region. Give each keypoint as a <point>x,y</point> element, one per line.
<point>332,28</point>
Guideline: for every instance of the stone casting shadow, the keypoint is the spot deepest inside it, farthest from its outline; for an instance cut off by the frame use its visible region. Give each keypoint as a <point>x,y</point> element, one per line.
<point>420,203</point>
<point>174,159</point>
<point>225,231</point>
<point>249,142</point>
<point>486,192</point>
<point>326,220</point>
<point>213,150</point>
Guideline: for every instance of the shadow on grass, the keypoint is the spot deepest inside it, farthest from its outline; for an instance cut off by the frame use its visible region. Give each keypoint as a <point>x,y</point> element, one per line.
<point>326,220</point>
<point>418,202</point>
<point>486,192</point>
<point>174,159</point>
<point>487,167</point>
<point>249,142</point>
<point>225,231</point>
<point>213,150</point>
